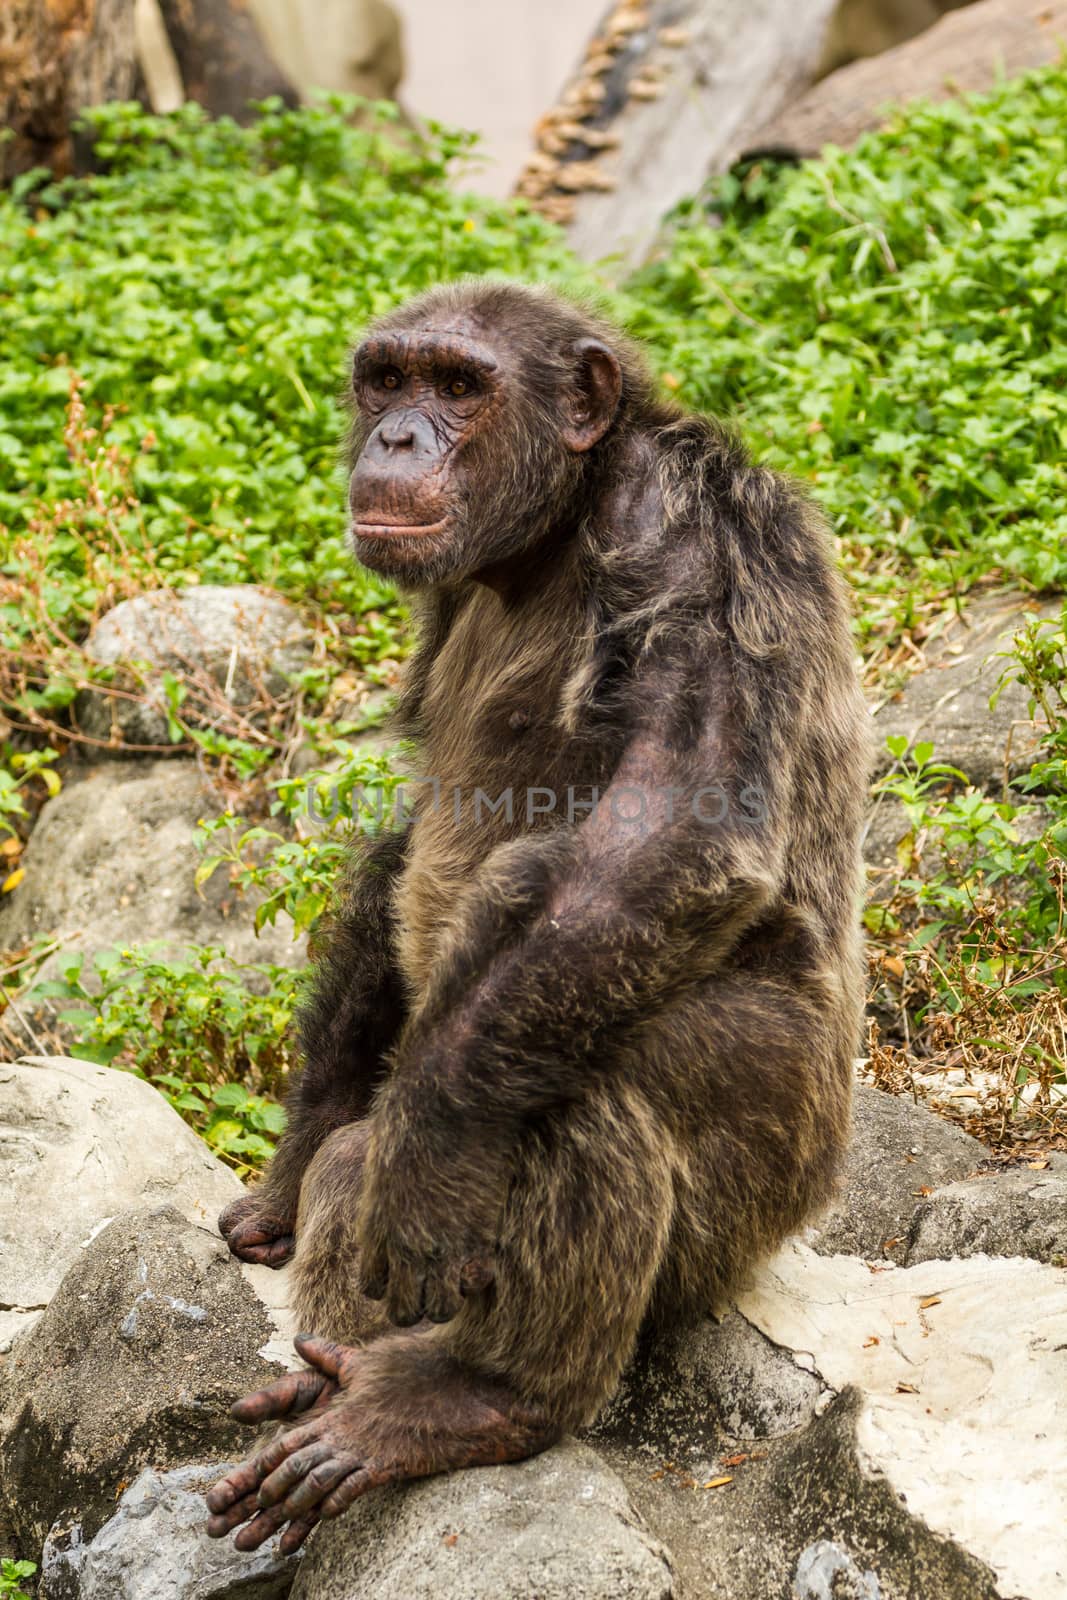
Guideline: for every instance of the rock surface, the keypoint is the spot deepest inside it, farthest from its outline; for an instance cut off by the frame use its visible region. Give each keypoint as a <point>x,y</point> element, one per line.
<point>851,1428</point>
<point>1018,1213</point>
<point>231,645</point>
<point>78,1144</point>
<point>897,1150</point>
<point>969,51</point>
<point>155,1547</point>
<point>557,1527</point>
<point>112,861</point>
<point>923,1464</point>
<point>947,702</point>
<point>961,1364</point>
<point>152,1335</point>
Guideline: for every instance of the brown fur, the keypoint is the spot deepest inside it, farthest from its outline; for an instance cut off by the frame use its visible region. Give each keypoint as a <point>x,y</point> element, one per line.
<point>600,1070</point>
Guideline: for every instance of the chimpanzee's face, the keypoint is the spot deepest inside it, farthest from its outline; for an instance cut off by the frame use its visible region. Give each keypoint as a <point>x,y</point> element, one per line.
<point>468,442</point>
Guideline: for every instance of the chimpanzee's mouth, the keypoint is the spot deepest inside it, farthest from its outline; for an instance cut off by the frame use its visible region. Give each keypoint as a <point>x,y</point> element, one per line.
<point>383,525</point>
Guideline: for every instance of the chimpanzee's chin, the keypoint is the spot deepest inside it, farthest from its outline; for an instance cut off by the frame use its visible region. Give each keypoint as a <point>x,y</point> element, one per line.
<point>412,559</point>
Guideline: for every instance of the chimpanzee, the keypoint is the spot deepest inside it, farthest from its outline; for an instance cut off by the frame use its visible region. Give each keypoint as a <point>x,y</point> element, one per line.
<point>579,1045</point>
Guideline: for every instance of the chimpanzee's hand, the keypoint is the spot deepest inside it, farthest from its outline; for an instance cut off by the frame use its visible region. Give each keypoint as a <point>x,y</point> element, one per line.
<point>429,1220</point>
<point>256,1229</point>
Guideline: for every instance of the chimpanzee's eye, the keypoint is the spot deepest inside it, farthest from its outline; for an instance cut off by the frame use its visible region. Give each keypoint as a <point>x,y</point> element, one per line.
<point>457,387</point>
<point>391,378</point>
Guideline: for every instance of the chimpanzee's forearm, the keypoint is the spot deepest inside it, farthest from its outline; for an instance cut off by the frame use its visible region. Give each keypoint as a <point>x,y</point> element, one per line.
<point>351,1016</point>
<point>527,1032</point>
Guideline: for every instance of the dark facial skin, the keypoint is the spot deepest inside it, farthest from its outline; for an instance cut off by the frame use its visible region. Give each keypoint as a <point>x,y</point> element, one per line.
<point>446,480</point>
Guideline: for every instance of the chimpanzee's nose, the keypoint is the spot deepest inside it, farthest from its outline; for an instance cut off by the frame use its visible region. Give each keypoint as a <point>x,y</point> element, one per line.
<point>398,433</point>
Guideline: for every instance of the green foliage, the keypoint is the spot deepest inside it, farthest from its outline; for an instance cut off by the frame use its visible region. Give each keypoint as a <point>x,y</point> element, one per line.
<point>979,902</point>
<point>11,1574</point>
<point>18,769</point>
<point>890,324</point>
<point>201,1026</point>
<point>297,875</point>
<point>235,1123</point>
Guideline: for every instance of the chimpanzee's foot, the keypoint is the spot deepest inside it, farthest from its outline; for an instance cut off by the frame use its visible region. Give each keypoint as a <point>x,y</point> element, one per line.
<point>255,1230</point>
<point>399,1409</point>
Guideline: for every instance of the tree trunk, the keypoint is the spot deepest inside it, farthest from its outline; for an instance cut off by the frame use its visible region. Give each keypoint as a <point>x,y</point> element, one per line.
<point>221,56</point>
<point>56,58</point>
<point>665,96</point>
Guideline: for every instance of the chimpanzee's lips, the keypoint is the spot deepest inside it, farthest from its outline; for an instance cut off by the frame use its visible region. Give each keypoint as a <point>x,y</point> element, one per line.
<point>386,525</point>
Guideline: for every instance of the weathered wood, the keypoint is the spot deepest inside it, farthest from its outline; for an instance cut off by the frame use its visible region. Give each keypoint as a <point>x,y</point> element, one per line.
<point>668,93</point>
<point>965,52</point>
<point>56,58</point>
<point>220,53</point>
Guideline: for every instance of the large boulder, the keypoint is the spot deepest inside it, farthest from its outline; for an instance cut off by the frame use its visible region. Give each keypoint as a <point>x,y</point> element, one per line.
<point>557,1527</point>
<point>79,1143</point>
<point>922,1461</point>
<point>153,1333</point>
<point>156,1547</point>
<point>968,51</point>
<point>112,862</point>
<point>1018,1213</point>
<point>897,1154</point>
<point>234,645</point>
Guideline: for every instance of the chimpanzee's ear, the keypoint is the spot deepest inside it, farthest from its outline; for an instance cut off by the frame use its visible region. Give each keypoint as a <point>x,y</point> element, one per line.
<point>594,399</point>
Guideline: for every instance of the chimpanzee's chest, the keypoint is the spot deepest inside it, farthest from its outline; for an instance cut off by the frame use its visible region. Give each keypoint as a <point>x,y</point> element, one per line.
<point>498,760</point>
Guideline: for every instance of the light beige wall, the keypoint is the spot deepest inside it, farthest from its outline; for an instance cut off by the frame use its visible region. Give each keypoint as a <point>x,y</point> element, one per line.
<point>492,65</point>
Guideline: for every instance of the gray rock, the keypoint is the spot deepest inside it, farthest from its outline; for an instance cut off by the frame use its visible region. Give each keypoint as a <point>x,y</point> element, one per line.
<point>151,1336</point>
<point>79,1143</point>
<point>112,861</point>
<point>968,52</point>
<point>155,1547</point>
<point>1018,1213</point>
<point>925,1375</point>
<point>686,1395</point>
<point>240,639</point>
<point>897,1149</point>
<point>555,1528</point>
<point>948,701</point>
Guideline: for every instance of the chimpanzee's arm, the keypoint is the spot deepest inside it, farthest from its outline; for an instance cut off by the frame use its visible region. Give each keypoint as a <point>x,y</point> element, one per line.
<point>351,1018</point>
<point>619,914</point>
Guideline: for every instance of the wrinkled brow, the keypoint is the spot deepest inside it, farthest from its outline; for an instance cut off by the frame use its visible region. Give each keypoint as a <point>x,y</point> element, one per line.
<point>425,349</point>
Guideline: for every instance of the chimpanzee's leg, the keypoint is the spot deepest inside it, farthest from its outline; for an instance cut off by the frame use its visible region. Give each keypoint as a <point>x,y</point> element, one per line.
<point>325,1270</point>
<point>633,1202</point>
<point>585,1231</point>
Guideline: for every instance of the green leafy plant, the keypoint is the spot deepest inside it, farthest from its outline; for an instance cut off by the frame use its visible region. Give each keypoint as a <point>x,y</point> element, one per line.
<point>235,1123</point>
<point>213,1033</point>
<point>296,875</point>
<point>887,323</point>
<point>11,1575</point>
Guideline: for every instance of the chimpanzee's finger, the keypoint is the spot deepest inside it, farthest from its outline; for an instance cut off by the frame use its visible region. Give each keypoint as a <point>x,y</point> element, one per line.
<point>295,1467</point>
<point>322,1353</point>
<point>374,1273</point>
<point>305,1498</point>
<point>441,1298</point>
<point>236,1485</point>
<point>262,1526</point>
<point>404,1297</point>
<point>350,1489</point>
<point>296,1533</point>
<point>225,1522</point>
<point>296,1392</point>
<point>477,1274</point>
